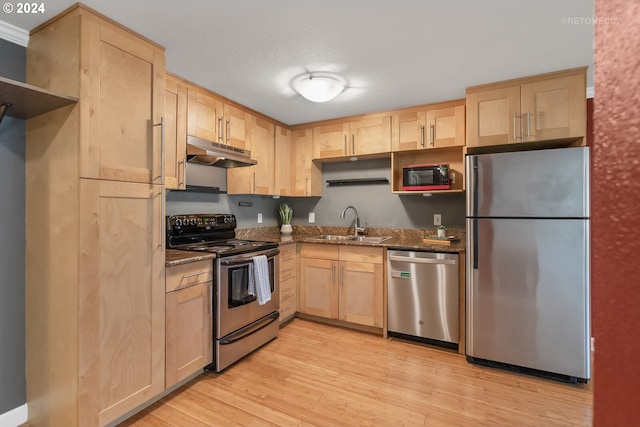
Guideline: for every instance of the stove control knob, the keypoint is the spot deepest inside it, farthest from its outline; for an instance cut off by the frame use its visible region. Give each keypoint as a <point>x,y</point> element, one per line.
<point>192,221</point>
<point>178,222</point>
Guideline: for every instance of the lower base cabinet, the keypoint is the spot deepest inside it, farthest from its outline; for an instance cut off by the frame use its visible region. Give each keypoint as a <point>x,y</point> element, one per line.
<point>288,282</point>
<point>342,283</point>
<point>189,336</point>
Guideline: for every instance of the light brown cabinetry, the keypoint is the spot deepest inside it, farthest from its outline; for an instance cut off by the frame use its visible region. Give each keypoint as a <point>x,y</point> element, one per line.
<point>175,132</point>
<point>189,339</point>
<point>538,108</point>
<point>213,119</point>
<point>366,136</point>
<point>260,178</point>
<point>95,247</point>
<point>433,126</point>
<point>342,283</point>
<point>288,281</point>
<point>307,173</point>
<point>122,140</point>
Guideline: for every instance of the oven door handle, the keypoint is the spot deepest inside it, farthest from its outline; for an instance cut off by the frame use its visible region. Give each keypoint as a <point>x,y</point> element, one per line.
<point>250,329</point>
<point>237,260</point>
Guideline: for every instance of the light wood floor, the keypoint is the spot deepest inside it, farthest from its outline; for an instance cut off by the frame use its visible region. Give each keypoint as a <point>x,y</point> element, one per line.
<point>317,375</point>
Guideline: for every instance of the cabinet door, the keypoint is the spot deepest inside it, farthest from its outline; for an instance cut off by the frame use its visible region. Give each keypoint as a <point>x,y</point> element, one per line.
<point>361,293</point>
<point>318,293</point>
<point>125,87</point>
<point>263,151</point>
<point>205,115</point>
<point>236,127</point>
<point>307,174</point>
<point>493,117</point>
<point>175,132</point>
<point>370,136</point>
<point>444,127</point>
<point>330,140</point>
<point>408,132</point>
<point>283,167</point>
<point>554,108</point>
<point>121,298</point>
<point>189,335</point>
<point>260,178</point>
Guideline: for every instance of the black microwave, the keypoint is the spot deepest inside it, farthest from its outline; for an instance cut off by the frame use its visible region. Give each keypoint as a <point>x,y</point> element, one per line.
<point>426,177</point>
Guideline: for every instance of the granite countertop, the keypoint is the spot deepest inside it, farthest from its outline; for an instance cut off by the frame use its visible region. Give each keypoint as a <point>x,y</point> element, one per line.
<point>176,257</point>
<point>403,239</point>
<point>407,239</point>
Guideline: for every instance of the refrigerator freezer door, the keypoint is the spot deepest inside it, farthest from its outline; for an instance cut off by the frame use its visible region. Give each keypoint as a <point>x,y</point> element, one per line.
<point>533,184</point>
<point>528,293</point>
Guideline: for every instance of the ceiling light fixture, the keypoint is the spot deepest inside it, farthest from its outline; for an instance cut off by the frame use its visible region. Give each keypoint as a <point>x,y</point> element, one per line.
<point>318,87</point>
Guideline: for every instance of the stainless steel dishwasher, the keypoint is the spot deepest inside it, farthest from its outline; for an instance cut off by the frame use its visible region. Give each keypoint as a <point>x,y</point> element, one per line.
<point>422,302</point>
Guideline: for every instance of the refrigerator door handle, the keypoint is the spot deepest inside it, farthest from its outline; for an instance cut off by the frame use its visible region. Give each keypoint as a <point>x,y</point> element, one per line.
<point>474,242</point>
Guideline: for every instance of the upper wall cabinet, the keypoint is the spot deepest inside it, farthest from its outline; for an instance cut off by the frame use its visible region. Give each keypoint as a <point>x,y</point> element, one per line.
<point>534,109</point>
<point>120,79</point>
<point>260,178</point>
<point>433,126</point>
<point>175,132</point>
<point>307,173</point>
<point>212,119</point>
<point>366,136</point>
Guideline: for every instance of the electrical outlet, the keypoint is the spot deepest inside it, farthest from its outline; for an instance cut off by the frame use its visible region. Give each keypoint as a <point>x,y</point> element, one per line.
<point>312,217</point>
<point>437,219</point>
<point>259,218</point>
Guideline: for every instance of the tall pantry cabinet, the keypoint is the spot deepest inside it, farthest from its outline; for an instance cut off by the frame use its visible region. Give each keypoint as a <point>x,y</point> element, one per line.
<point>95,201</point>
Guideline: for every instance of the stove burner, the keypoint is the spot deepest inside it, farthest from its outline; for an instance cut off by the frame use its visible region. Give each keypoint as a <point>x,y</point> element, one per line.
<point>213,233</point>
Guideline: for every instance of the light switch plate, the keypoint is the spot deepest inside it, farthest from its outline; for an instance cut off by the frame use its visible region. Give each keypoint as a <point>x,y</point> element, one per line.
<point>437,219</point>
<point>259,218</point>
<point>312,217</point>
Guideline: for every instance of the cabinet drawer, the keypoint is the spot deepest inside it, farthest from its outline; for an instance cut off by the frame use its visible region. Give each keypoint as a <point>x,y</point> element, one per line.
<point>184,275</point>
<point>287,285</point>
<point>287,269</point>
<point>287,252</point>
<point>287,307</point>
<point>312,250</point>
<point>361,254</point>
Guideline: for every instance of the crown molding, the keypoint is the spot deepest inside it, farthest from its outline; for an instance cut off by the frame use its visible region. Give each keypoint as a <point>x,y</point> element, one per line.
<point>14,34</point>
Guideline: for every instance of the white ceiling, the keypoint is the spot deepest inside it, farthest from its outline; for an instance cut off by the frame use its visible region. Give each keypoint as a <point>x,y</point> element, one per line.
<point>393,53</point>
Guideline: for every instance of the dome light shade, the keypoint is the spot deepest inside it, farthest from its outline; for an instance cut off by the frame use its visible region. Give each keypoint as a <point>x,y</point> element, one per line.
<point>318,88</point>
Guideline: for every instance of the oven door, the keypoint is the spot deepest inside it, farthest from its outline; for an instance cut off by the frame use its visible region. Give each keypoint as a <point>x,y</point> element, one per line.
<point>235,306</point>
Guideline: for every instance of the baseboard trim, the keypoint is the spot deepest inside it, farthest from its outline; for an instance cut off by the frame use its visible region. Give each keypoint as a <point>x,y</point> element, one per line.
<point>14,417</point>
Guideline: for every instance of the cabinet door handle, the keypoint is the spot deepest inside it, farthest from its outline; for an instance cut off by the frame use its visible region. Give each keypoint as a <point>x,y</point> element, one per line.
<point>161,124</point>
<point>227,133</point>
<point>333,274</point>
<point>345,144</point>
<point>432,134</point>
<point>161,227</point>
<point>528,124</point>
<point>180,175</point>
<point>306,186</point>
<point>254,182</point>
<point>515,137</point>
<point>353,143</point>
<point>342,275</point>
<point>220,130</point>
<point>422,136</point>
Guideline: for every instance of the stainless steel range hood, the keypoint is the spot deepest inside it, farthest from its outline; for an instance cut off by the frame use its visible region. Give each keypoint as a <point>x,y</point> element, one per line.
<point>216,154</point>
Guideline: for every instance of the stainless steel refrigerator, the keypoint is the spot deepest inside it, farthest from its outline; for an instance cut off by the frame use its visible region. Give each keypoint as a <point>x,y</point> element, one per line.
<point>527,262</point>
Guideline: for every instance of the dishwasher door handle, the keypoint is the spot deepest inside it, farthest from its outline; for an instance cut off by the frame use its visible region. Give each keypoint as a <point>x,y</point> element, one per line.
<point>412,260</point>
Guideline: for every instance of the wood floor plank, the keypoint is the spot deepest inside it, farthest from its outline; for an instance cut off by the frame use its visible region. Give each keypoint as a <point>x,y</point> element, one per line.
<point>319,375</point>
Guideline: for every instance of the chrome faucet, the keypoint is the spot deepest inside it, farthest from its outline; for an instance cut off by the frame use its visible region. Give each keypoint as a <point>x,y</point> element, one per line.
<point>357,228</point>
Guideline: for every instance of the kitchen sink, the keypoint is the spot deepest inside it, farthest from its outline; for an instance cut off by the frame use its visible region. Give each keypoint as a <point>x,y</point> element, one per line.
<point>364,239</point>
<point>370,239</point>
<point>331,237</point>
